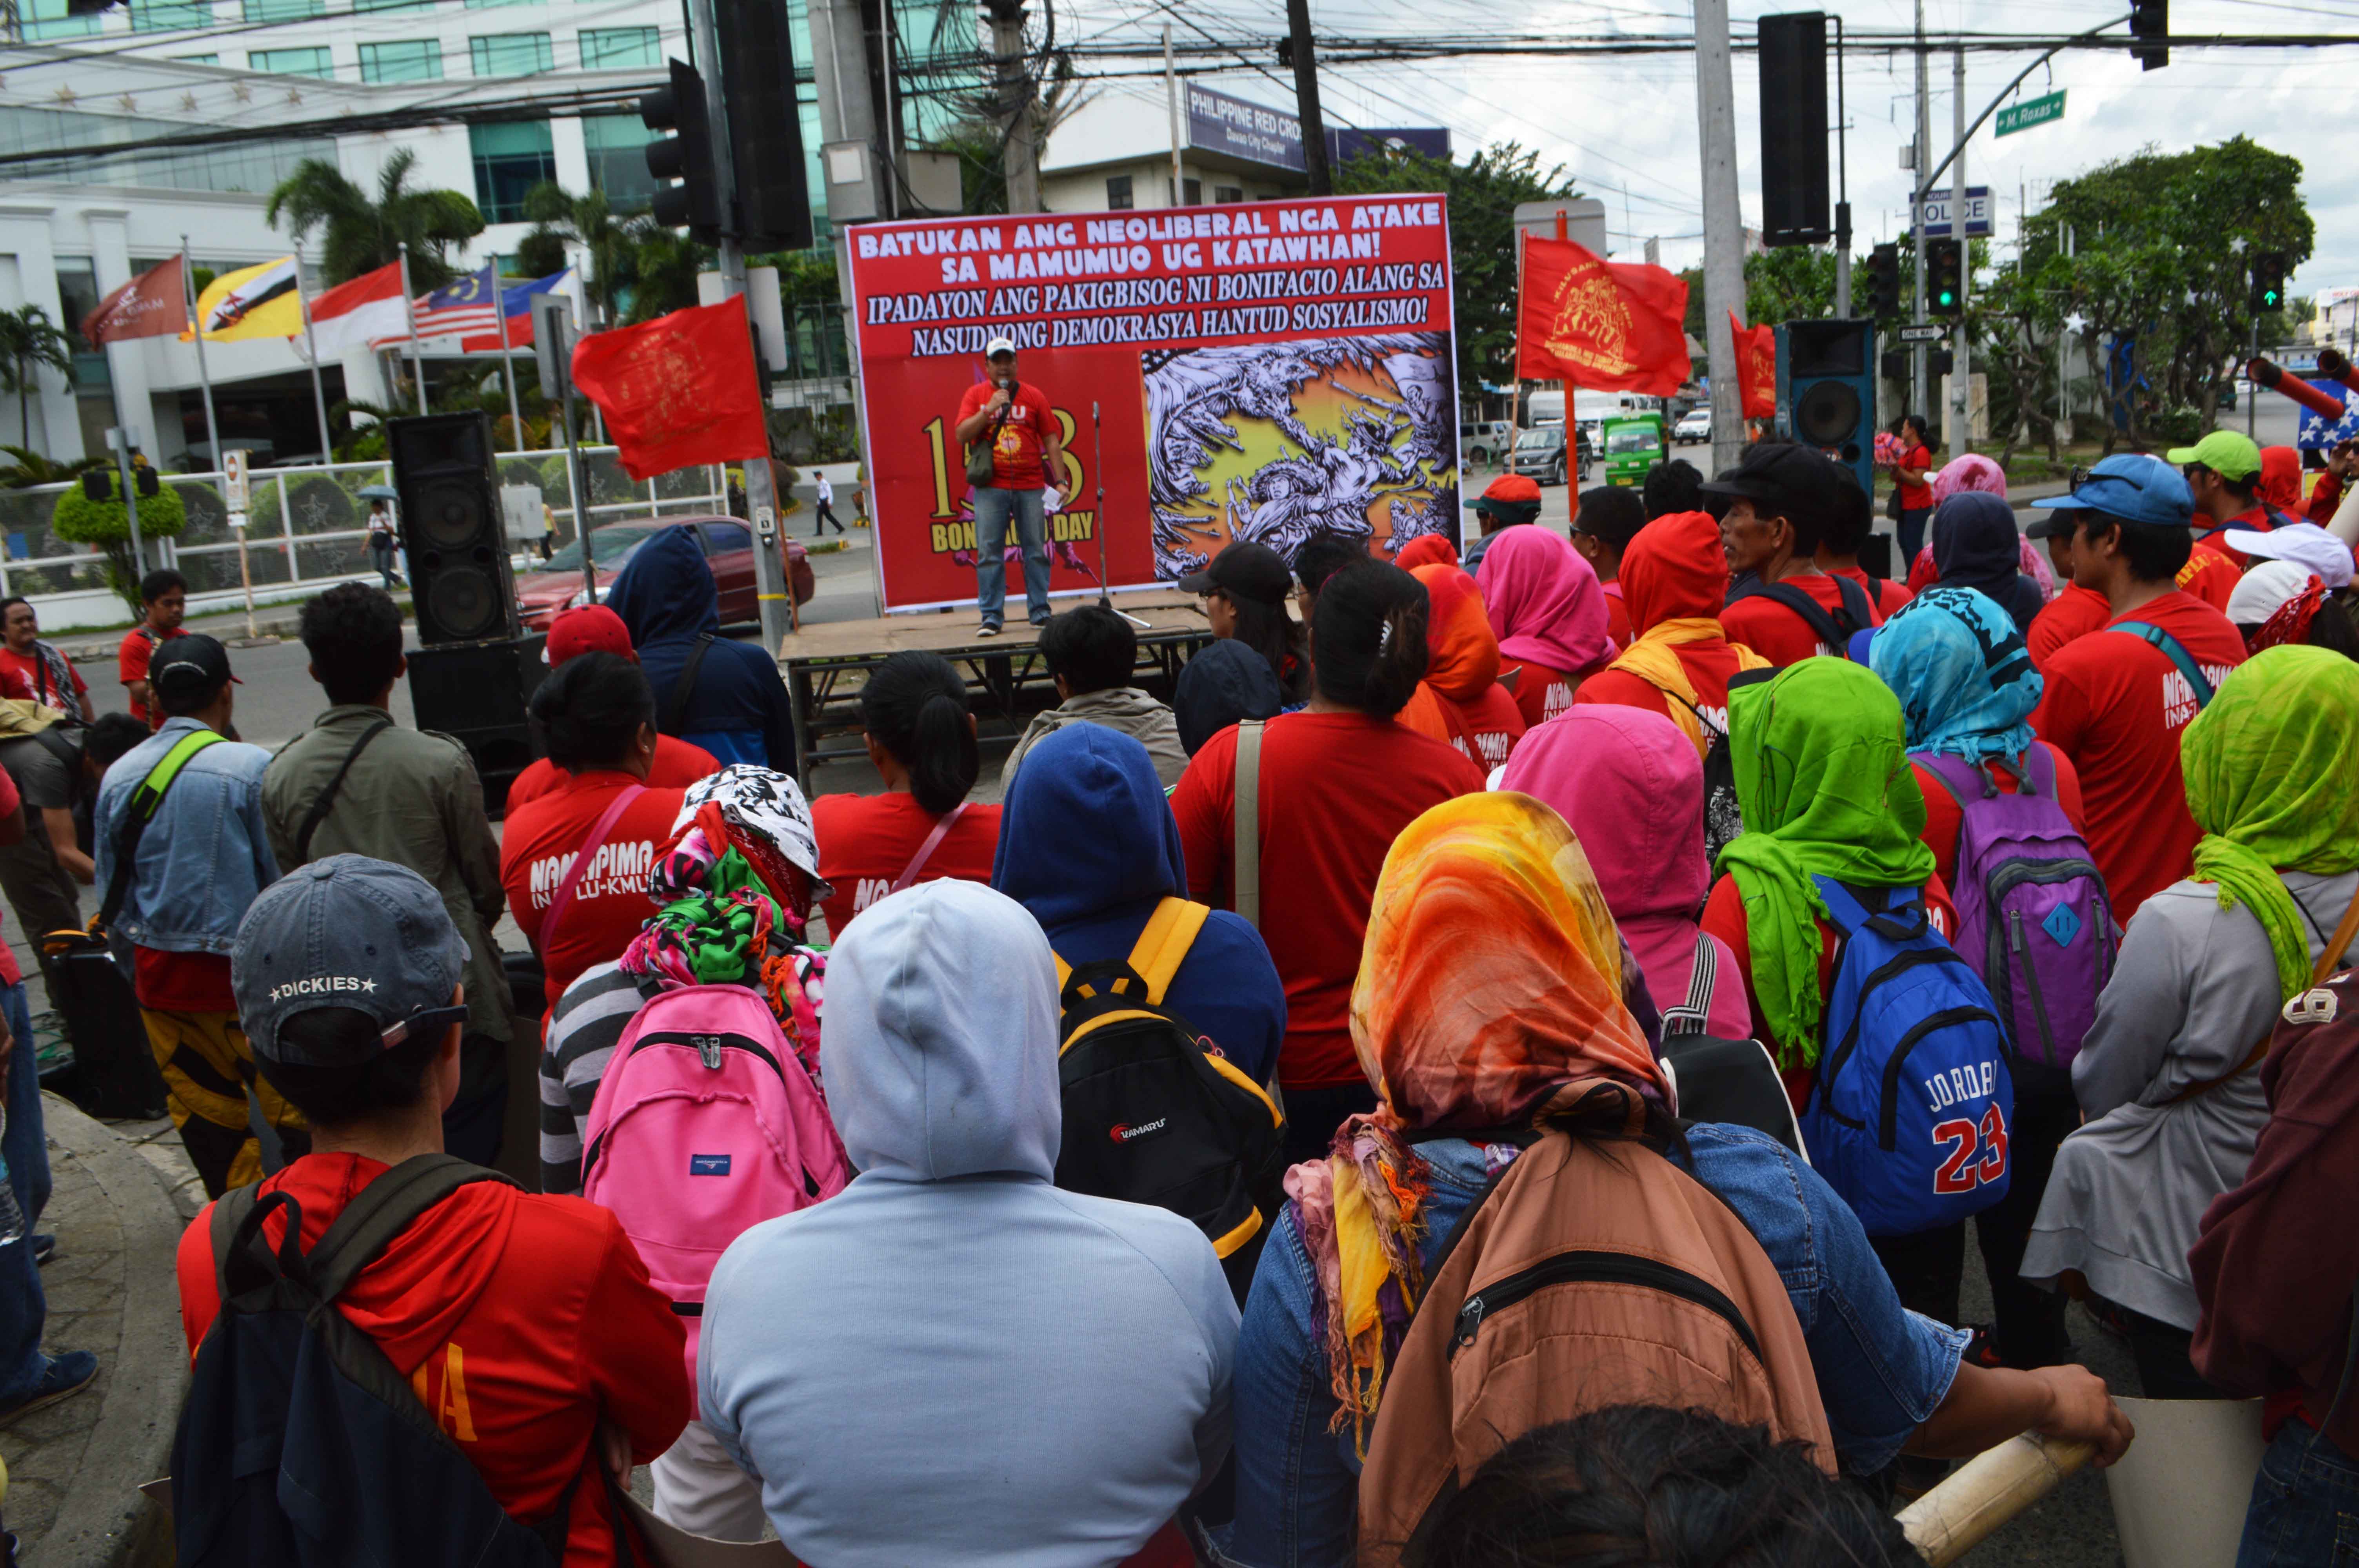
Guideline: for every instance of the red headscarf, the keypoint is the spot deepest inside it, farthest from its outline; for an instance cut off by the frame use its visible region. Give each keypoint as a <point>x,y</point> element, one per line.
<point>1427,550</point>
<point>2280,482</point>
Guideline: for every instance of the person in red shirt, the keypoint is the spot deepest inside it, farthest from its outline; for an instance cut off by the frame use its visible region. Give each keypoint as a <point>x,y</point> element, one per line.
<point>1027,454</point>
<point>163,596</point>
<point>1783,497</point>
<point>1461,701</point>
<point>47,675</point>
<point>1679,665</point>
<point>1609,518</point>
<point>1838,551</point>
<point>574,861</point>
<point>1914,476</point>
<point>595,629</point>
<point>2075,612</point>
<point>525,1322</point>
<point>2118,698</point>
<point>1337,783</point>
<point>922,827</point>
<point>1545,603</point>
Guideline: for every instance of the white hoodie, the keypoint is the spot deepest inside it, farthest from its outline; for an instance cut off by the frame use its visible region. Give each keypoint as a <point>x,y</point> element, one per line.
<point>953,1361</point>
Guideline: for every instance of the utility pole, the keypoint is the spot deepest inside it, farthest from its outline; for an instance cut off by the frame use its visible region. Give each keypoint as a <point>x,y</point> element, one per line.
<point>1962,425</point>
<point>1306,97</point>
<point>770,590</point>
<point>847,121</point>
<point>1843,187</point>
<point>1016,92</point>
<point>1171,99</point>
<point>1916,364</point>
<point>1723,226</point>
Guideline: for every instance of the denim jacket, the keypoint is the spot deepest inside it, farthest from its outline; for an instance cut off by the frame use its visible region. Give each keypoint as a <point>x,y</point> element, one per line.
<point>1881,1369</point>
<point>204,857</point>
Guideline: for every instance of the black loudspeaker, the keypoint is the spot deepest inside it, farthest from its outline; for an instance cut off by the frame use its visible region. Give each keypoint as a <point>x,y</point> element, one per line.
<point>459,580</point>
<point>1826,390</point>
<point>475,693</point>
<point>1794,129</point>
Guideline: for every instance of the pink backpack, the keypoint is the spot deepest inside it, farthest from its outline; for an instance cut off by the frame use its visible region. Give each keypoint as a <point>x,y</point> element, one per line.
<point>706,1124</point>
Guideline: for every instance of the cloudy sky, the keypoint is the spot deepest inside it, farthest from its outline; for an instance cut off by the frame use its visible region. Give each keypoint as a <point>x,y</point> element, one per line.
<point>1625,128</point>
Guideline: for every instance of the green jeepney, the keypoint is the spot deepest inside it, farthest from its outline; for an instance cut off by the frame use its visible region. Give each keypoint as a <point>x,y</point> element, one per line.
<point>1633,445</point>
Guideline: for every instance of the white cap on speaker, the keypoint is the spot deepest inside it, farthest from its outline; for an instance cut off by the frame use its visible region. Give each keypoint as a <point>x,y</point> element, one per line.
<point>998,346</point>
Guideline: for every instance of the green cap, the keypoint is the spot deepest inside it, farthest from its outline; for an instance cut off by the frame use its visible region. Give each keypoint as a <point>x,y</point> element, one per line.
<point>2224,452</point>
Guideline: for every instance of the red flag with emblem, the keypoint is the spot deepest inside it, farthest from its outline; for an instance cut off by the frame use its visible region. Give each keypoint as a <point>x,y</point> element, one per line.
<point>1757,368</point>
<point>1607,326</point>
<point>677,391</point>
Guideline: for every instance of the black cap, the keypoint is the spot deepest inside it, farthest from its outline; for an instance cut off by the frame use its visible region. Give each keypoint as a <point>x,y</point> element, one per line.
<point>1244,570</point>
<point>1789,478</point>
<point>2049,525</point>
<point>189,665</point>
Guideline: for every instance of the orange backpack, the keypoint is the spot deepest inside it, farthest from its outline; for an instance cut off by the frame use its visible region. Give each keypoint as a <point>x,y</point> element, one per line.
<point>1590,1274</point>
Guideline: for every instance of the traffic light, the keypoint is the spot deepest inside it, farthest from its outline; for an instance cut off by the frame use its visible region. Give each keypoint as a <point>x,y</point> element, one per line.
<point>1945,277</point>
<point>695,202</point>
<point>2269,281</point>
<point>2150,29</point>
<point>765,129</point>
<point>1884,281</point>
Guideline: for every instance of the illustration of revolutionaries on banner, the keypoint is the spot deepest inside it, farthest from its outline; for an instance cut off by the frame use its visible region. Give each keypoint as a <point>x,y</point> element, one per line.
<point>1258,371</point>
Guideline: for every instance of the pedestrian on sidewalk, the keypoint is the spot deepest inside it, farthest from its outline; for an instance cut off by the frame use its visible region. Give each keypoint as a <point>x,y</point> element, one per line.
<point>383,542</point>
<point>358,783</point>
<point>824,503</point>
<point>164,601</point>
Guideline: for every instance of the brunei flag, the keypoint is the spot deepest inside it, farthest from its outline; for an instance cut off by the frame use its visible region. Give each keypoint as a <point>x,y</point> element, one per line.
<point>257,302</point>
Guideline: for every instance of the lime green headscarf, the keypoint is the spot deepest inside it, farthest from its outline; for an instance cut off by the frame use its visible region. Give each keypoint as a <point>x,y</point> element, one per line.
<point>2272,770</point>
<point>1823,777</point>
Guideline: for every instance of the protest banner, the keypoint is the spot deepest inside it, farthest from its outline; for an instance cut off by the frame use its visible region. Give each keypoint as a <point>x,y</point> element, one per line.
<point>1261,370</point>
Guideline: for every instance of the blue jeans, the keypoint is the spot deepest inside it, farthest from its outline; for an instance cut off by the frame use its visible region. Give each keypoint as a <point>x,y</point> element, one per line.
<point>23,1308</point>
<point>992,507</point>
<point>2304,1506</point>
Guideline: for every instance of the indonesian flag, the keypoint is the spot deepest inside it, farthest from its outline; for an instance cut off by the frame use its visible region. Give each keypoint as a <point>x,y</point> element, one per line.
<point>357,310</point>
<point>154,303</point>
<point>1757,368</point>
<point>1606,326</point>
<point>679,390</point>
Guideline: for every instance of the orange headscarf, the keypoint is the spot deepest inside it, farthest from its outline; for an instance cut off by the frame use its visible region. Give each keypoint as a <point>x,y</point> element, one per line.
<point>1463,651</point>
<point>1427,550</point>
<point>1489,995</point>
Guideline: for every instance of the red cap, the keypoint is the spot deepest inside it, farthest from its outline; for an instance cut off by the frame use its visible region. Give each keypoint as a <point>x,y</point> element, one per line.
<point>590,629</point>
<point>1514,488</point>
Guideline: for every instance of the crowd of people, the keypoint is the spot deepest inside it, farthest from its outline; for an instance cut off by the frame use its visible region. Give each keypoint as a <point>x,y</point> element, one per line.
<point>1567,1004</point>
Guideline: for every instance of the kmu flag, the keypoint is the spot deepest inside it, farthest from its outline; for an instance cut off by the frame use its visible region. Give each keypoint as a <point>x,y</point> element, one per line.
<point>1592,323</point>
<point>1757,368</point>
<point>679,390</point>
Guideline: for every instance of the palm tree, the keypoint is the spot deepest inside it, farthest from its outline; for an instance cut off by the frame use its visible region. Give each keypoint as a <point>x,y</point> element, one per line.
<point>32,467</point>
<point>28,340</point>
<point>613,240</point>
<point>364,235</point>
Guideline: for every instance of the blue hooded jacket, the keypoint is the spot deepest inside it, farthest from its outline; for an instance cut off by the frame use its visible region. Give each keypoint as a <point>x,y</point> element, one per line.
<point>1087,843</point>
<point>738,711</point>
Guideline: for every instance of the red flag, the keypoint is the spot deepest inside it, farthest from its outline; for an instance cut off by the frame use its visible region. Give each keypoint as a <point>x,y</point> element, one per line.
<point>154,303</point>
<point>679,390</point>
<point>1598,324</point>
<point>1757,368</point>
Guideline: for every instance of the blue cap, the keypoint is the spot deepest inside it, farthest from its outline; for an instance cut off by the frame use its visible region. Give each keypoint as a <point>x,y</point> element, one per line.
<point>353,933</point>
<point>2133,487</point>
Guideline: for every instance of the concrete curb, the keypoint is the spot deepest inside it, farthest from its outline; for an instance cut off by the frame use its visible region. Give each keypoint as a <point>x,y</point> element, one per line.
<point>104,1522</point>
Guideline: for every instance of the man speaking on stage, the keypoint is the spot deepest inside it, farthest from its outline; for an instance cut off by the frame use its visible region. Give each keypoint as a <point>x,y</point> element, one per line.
<point>1014,421</point>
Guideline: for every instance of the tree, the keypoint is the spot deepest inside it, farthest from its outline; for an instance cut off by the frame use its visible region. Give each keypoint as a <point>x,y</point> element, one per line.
<point>32,467</point>
<point>362,234</point>
<point>79,520</point>
<point>666,269</point>
<point>28,340</point>
<point>1482,192</point>
<point>613,241</point>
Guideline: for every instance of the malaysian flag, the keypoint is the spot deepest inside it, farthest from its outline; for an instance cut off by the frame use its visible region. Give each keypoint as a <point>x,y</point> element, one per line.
<point>469,302</point>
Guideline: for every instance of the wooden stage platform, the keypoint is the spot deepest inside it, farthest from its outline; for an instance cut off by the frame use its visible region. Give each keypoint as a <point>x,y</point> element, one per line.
<point>820,663</point>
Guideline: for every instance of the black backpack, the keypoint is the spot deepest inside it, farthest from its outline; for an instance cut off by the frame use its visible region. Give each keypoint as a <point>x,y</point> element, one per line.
<point>1153,1113</point>
<point>299,1442</point>
<point>1723,814</point>
<point>1836,629</point>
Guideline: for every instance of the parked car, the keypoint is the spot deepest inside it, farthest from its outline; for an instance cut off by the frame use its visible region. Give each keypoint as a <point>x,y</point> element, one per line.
<point>1482,441</point>
<point>728,551</point>
<point>1695,424</point>
<point>1542,454</point>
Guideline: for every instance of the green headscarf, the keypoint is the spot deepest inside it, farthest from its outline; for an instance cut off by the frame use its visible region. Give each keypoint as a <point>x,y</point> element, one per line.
<point>2270,766</point>
<point>1823,777</point>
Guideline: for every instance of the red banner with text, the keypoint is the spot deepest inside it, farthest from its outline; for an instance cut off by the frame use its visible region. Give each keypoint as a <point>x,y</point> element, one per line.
<point>1265,371</point>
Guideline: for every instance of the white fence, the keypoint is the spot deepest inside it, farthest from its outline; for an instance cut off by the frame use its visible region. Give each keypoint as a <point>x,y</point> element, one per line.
<point>307,529</point>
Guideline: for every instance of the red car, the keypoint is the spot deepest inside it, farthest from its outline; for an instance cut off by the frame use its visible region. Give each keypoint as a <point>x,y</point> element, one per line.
<point>728,551</point>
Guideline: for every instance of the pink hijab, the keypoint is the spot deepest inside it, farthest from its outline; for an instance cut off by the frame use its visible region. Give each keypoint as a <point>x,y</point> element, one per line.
<point>1544,601</point>
<point>1631,785</point>
<point>1974,472</point>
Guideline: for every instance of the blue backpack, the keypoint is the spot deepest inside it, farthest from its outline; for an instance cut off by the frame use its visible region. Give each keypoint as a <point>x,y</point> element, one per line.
<point>1909,1118</point>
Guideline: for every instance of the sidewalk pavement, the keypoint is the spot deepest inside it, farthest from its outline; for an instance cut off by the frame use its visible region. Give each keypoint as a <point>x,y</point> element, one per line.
<point>122,1195</point>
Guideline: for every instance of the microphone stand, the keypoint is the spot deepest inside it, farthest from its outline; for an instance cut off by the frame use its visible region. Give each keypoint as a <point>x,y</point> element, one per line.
<point>1097,469</point>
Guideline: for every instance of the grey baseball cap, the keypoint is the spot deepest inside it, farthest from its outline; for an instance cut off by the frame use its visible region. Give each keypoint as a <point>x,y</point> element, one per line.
<point>347,932</point>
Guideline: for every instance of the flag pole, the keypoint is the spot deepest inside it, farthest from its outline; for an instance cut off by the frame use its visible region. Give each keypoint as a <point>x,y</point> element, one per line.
<point>409,313</point>
<point>204,380</point>
<point>311,352</point>
<point>507,360</point>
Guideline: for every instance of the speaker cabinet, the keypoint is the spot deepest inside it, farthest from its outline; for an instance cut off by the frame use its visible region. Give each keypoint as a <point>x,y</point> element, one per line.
<point>475,693</point>
<point>1794,129</point>
<point>461,584</point>
<point>1826,390</point>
